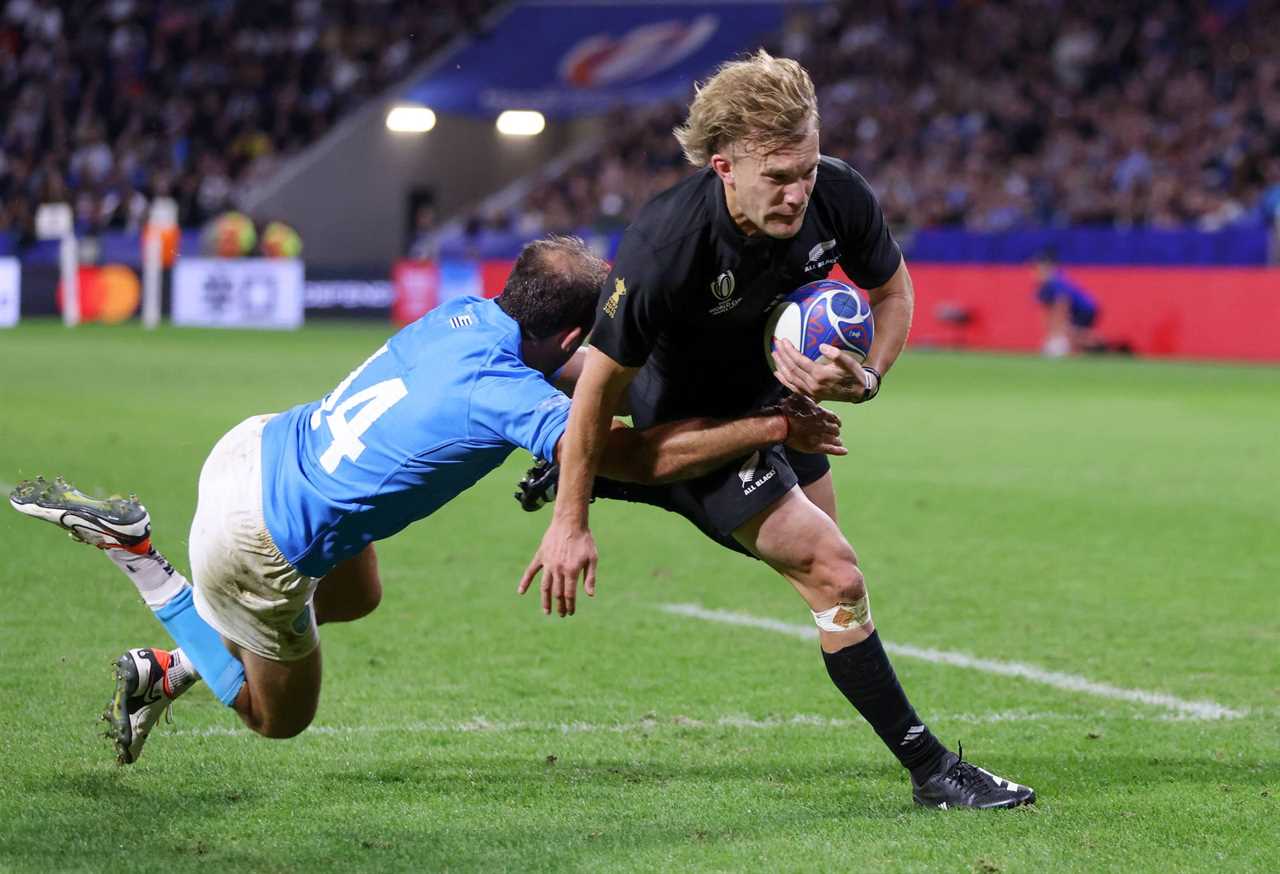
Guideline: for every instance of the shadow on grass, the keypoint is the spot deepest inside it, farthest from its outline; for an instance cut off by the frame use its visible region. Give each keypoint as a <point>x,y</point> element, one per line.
<point>431,773</point>
<point>447,775</point>
<point>478,814</point>
<point>498,812</point>
<point>803,803</point>
<point>116,786</point>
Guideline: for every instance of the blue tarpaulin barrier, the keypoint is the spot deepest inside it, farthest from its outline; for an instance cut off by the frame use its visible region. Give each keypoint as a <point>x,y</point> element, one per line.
<point>1235,246</point>
<point>579,58</point>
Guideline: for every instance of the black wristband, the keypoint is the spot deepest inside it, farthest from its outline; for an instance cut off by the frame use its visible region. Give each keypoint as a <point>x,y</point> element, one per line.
<point>870,391</point>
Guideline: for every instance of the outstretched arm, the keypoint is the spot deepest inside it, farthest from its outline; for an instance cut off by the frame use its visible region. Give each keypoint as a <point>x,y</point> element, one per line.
<point>692,447</point>
<point>568,551</point>
<point>1057,317</point>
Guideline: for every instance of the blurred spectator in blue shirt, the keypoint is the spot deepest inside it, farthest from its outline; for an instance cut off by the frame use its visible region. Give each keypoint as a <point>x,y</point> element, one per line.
<point>1070,311</point>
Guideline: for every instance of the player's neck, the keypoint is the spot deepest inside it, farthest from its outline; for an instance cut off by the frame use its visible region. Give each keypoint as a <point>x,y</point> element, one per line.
<point>535,354</point>
<point>546,355</point>
<point>739,217</point>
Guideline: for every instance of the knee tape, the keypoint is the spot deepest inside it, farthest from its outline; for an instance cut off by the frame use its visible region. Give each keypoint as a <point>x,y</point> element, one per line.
<point>845,615</point>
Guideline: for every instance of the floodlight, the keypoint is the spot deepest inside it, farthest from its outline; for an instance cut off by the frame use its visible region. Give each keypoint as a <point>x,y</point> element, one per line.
<point>521,123</point>
<point>410,119</point>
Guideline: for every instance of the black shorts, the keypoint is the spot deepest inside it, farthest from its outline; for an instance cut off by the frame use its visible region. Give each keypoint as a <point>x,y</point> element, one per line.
<point>1084,319</point>
<point>722,501</point>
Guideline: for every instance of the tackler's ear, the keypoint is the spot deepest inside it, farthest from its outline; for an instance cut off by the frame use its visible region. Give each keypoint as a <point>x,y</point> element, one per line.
<point>571,340</point>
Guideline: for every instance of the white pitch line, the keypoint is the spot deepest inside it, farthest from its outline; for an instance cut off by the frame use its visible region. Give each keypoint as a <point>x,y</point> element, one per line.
<point>1021,670</point>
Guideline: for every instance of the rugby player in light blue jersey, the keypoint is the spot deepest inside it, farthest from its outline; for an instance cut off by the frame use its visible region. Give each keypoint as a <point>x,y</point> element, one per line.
<point>290,504</point>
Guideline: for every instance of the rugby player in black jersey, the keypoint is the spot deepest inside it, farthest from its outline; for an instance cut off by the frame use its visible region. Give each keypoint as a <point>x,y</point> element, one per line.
<point>679,333</point>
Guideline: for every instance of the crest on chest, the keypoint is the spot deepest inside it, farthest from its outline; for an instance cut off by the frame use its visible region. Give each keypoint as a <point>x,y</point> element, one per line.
<point>822,256</point>
<point>722,292</point>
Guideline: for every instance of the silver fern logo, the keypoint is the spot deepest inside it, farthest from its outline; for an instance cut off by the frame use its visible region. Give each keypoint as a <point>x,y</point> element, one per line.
<point>822,255</point>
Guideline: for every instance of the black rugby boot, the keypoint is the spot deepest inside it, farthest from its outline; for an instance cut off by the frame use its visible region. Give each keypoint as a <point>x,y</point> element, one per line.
<point>958,783</point>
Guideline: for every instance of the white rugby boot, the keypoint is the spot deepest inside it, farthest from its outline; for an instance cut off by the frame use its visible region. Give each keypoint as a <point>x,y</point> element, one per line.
<point>113,522</point>
<point>145,687</point>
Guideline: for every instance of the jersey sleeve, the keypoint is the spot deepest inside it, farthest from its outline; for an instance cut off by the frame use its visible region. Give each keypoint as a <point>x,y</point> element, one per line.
<point>870,254</point>
<point>514,403</point>
<point>635,304</point>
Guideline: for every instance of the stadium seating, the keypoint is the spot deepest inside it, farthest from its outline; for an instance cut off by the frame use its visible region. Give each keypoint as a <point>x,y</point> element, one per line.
<point>107,104</point>
<point>992,117</point>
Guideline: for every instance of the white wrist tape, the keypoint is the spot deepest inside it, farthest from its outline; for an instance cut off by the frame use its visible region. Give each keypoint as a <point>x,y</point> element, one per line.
<point>842,617</point>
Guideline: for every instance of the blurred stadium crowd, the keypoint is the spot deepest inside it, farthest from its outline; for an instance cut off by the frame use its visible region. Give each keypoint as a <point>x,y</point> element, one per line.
<point>985,114</point>
<point>109,103</point>
<point>999,115</point>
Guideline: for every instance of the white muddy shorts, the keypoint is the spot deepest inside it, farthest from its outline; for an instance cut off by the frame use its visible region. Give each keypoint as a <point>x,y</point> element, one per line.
<point>243,586</point>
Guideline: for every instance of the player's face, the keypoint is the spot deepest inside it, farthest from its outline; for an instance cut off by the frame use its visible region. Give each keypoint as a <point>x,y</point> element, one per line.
<point>771,191</point>
<point>549,354</point>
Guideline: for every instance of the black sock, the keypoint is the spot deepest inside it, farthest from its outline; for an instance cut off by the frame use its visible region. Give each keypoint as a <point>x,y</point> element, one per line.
<point>863,673</point>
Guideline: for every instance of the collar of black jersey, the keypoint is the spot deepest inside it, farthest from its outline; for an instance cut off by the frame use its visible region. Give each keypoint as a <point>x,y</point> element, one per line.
<point>727,229</point>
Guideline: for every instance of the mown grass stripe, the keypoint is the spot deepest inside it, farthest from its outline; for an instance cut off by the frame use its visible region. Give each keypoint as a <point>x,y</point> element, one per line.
<point>482,725</point>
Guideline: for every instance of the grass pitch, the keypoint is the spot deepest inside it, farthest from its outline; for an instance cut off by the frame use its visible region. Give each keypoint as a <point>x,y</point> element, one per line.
<point>1113,520</point>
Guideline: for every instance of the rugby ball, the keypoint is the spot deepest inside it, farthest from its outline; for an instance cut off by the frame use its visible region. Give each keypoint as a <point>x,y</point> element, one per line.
<point>820,312</point>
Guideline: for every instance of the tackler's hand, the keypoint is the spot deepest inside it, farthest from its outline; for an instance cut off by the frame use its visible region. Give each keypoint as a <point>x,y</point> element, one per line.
<point>811,428</point>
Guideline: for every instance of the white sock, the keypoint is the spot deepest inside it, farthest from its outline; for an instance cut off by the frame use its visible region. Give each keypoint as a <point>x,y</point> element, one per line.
<point>155,578</point>
<point>181,673</point>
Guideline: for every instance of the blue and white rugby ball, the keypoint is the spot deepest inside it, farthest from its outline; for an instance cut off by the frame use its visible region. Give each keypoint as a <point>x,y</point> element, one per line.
<point>820,312</point>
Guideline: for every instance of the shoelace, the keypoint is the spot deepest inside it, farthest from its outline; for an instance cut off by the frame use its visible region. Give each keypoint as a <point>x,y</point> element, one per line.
<point>962,773</point>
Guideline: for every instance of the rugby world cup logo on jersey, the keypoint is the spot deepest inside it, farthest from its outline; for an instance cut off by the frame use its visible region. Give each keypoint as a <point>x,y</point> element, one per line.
<point>722,289</point>
<point>822,255</point>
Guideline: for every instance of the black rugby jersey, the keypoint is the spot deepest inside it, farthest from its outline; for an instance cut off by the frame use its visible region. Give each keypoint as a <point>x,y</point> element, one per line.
<point>689,293</point>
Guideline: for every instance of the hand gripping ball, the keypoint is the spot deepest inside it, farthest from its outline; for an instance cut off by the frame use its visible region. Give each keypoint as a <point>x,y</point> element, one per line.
<point>820,312</point>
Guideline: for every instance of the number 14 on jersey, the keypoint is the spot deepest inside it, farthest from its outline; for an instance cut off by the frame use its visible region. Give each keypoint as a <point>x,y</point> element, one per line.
<point>349,419</point>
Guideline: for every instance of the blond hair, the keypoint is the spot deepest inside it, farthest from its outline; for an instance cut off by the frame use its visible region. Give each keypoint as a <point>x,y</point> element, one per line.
<point>760,102</point>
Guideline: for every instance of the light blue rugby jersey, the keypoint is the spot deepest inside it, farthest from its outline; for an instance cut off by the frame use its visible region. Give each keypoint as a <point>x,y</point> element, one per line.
<point>441,404</point>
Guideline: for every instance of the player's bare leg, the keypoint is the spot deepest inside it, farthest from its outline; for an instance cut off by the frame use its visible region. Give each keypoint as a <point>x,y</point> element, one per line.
<point>350,591</point>
<point>800,540</point>
<point>822,492</point>
<point>279,699</point>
